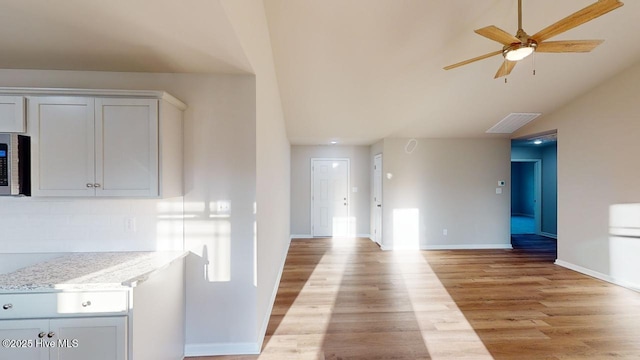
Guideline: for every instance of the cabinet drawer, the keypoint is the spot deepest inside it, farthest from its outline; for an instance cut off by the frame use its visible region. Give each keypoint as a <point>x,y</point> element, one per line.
<point>20,306</point>
<point>92,302</point>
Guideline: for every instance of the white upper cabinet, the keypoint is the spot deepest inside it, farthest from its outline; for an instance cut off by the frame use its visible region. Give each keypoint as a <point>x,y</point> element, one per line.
<point>12,117</point>
<point>107,147</point>
<point>62,146</point>
<point>126,147</point>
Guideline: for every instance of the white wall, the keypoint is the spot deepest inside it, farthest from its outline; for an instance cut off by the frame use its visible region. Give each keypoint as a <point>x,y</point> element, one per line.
<point>598,185</point>
<point>446,184</point>
<point>301,156</point>
<point>272,157</point>
<point>220,165</point>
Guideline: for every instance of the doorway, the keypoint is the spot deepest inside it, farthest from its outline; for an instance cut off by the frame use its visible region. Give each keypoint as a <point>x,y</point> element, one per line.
<point>526,196</point>
<point>534,193</point>
<point>330,198</point>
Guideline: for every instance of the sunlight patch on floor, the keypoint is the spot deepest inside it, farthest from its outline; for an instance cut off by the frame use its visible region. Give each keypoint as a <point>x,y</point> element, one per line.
<point>445,330</point>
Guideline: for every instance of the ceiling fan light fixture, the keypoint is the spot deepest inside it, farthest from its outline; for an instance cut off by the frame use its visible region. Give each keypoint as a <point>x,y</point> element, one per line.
<point>517,52</point>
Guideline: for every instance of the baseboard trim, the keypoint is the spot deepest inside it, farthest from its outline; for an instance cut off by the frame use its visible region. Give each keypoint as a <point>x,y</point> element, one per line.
<point>523,215</point>
<point>459,247</point>
<point>301,236</point>
<point>550,235</point>
<point>467,247</point>
<point>598,275</point>
<point>309,236</point>
<point>265,321</point>
<point>221,349</point>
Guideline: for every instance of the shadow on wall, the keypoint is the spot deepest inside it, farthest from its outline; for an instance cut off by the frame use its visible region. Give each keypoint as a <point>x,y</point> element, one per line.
<point>209,229</point>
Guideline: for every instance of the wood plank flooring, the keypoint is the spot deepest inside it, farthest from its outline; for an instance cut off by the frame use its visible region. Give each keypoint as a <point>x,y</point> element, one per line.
<point>347,299</point>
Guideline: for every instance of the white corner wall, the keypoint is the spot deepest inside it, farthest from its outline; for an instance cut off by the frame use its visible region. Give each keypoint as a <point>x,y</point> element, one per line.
<point>301,156</point>
<point>598,187</point>
<point>446,184</point>
<point>272,161</point>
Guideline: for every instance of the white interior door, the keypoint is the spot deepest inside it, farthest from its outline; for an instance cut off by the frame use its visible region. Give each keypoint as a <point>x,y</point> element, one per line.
<point>377,199</point>
<point>330,197</point>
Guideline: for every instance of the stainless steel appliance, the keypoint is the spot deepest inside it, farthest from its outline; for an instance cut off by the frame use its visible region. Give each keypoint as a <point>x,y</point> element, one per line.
<point>15,164</point>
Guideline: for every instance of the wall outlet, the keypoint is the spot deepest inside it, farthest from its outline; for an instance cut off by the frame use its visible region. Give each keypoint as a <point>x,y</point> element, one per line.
<point>445,232</point>
<point>130,224</point>
<point>498,190</point>
<point>223,207</point>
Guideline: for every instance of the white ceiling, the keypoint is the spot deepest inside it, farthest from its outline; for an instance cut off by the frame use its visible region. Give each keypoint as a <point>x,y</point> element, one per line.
<point>119,35</point>
<point>351,70</point>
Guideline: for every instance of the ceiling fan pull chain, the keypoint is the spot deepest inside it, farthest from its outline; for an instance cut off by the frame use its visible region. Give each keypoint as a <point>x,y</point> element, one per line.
<point>533,58</point>
<point>505,69</point>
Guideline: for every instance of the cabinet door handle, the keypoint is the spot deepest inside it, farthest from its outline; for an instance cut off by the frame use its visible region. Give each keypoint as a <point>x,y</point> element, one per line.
<point>7,306</point>
<point>42,334</point>
<point>51,334</point>
<point>96,185</point>
<point>89,185</point>
<point>86,303</point>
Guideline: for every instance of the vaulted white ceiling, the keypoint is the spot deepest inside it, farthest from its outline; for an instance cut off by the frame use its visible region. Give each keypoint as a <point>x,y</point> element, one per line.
<point>354,71</point>
<point>361,70</point>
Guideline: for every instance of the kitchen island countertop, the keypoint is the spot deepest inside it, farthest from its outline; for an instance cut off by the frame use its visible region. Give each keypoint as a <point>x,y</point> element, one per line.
<point>88,271</point>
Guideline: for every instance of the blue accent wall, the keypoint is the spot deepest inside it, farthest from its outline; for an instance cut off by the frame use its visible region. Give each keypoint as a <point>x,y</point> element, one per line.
<point>550,189</point>
<point>522,188</point>
<point>521,192</point>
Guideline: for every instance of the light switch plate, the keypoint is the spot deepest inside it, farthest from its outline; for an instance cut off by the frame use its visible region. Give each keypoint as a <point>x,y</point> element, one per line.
<point>498,190</point>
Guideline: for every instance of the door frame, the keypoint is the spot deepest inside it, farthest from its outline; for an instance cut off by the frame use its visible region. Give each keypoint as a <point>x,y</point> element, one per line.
<point>377,236</point>
<point>537,191</point>
<point>311,208</point>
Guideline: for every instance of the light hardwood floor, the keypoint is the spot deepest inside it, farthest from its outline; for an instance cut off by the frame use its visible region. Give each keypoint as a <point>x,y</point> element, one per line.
<point>347,299</point>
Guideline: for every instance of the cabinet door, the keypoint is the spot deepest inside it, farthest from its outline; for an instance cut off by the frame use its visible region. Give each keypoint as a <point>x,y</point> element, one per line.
<point>22,336</point>
<point>127,147</point>
<point>12,114</point>
<point>89,338</point>
<point>62,146</point>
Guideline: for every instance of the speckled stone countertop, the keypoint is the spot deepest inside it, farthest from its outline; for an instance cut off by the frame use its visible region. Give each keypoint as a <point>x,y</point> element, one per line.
<point>88,271</point>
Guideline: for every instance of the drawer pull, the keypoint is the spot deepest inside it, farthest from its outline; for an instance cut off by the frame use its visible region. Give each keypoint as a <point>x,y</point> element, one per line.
<point>42,334</point>
<point>7,306</point>
<point>86,303</point>
<point>51,334</point>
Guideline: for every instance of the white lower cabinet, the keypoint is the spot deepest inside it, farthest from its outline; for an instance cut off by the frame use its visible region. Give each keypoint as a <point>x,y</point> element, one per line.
<point>96,338</point>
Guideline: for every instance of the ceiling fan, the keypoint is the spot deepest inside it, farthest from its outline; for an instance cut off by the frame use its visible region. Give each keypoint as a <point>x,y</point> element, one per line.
<point>522,45</point>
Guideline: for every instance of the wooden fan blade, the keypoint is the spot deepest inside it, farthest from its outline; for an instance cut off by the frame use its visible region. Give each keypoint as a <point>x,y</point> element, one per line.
<point>568,46</point>
<point>505,68</point>
<point>578,18</point>
<point>496,34</point>
<point>472,60</point>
